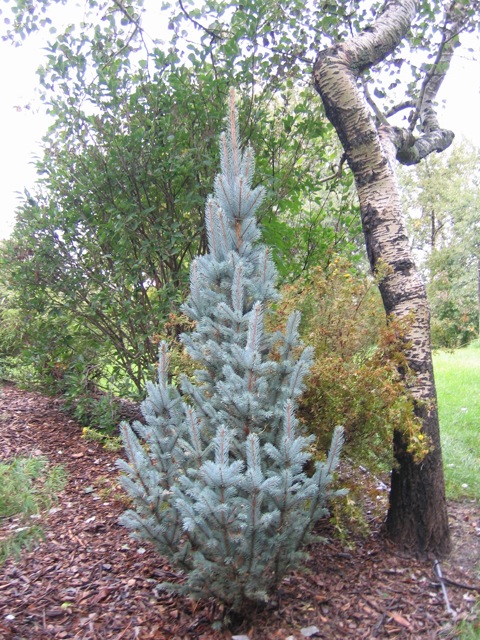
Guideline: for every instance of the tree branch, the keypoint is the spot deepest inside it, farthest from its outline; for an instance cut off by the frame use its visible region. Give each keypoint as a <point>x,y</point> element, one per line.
<point>337,68</point>
<point>433,79</point>
<point>338,171</point>
<point>411,150</point>
<point>197,24</point>
<point>407,104</point>
<point>379,115</point>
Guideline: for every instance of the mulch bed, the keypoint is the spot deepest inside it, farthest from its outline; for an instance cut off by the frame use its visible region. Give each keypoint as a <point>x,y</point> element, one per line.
<point>88,580</point>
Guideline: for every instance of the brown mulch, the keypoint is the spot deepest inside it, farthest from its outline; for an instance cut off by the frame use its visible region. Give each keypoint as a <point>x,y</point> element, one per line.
<point>88,580</point>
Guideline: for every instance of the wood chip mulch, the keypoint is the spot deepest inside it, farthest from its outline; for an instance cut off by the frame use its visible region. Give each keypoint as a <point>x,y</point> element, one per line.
<point>88,580</point>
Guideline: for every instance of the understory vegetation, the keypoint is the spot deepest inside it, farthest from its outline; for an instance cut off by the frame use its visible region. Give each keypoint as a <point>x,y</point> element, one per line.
<point>354,380</point>
<point>28,487</point>
<point>94,274</point>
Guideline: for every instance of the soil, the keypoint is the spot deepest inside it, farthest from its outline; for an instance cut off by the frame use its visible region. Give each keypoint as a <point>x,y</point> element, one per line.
<point>88,580</point>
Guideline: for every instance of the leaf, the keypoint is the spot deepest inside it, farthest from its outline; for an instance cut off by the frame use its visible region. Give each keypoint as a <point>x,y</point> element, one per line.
<point>399,619</point>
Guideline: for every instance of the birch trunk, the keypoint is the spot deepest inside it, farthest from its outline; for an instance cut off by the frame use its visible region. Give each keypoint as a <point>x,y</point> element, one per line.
<point>417,517</point>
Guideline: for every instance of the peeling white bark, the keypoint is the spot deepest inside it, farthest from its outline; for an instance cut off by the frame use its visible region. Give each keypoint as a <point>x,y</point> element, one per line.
<point>417,516</point>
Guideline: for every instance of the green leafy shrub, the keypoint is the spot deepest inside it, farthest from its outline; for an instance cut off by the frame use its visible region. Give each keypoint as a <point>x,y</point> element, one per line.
<point>354,380</point>
<point>12,334</point>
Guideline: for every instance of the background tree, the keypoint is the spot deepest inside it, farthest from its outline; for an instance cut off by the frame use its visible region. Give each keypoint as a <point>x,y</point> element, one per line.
<point>442,197</point>
<point>103,247</point>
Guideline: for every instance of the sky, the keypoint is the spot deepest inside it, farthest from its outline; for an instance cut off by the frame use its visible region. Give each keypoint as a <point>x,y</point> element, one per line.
<point>23,121</point>
<point>20,128</point>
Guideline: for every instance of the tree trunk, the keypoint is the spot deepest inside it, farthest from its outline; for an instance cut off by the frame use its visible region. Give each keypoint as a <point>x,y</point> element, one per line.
<point>417,518</point>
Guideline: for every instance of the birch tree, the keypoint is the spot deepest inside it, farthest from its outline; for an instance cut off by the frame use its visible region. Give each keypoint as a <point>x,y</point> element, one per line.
<point>417,517</point>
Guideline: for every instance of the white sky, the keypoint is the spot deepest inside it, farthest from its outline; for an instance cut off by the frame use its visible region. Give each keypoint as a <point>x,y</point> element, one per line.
<point>22,128</point>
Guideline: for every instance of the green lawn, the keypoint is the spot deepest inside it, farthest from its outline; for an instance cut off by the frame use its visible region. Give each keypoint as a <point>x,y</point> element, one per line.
<point>457,376</point>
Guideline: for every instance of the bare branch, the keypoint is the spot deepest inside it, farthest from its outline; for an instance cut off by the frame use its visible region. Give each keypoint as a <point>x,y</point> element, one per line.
<point>210,32</point>
<point>407,104</point>
<point>127,14</point>
<point>338,172</point>
<point>138,29</point>
<point>457,20</point>
<point>411,150</point>
<point>379,115</point>
<point>433,79</point>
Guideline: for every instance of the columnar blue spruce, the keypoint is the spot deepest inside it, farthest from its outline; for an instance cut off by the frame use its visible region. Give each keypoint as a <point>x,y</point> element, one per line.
<point>218,484</point>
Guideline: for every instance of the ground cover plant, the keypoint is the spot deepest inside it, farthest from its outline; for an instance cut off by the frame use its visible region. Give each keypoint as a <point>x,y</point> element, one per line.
<point>457,376</point>
<point>28,486</point>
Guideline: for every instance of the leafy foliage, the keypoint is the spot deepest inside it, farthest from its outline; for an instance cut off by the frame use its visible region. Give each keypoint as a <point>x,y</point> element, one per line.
<point>355,378</point>
<point>12,325</point>
<point>442,196</point>
<point>220,487</point>
<point>102,248</point>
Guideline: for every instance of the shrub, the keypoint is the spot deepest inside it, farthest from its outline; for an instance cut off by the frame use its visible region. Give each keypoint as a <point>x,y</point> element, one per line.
<point>355,379</point>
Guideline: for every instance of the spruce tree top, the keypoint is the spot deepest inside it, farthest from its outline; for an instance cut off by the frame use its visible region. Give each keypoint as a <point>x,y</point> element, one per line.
<point>245,370</point>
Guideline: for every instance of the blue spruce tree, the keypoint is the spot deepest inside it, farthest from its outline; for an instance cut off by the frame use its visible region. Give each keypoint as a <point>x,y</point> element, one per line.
<point>216,473</point>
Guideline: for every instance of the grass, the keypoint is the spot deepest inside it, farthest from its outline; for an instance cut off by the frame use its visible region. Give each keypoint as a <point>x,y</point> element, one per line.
<point>28,486</point>
<point>108,442</point>
<point>468,630</point>
<point>457,376</point>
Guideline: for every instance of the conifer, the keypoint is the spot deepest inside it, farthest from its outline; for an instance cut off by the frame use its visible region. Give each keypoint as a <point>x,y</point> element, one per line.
<point>217,470</point>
